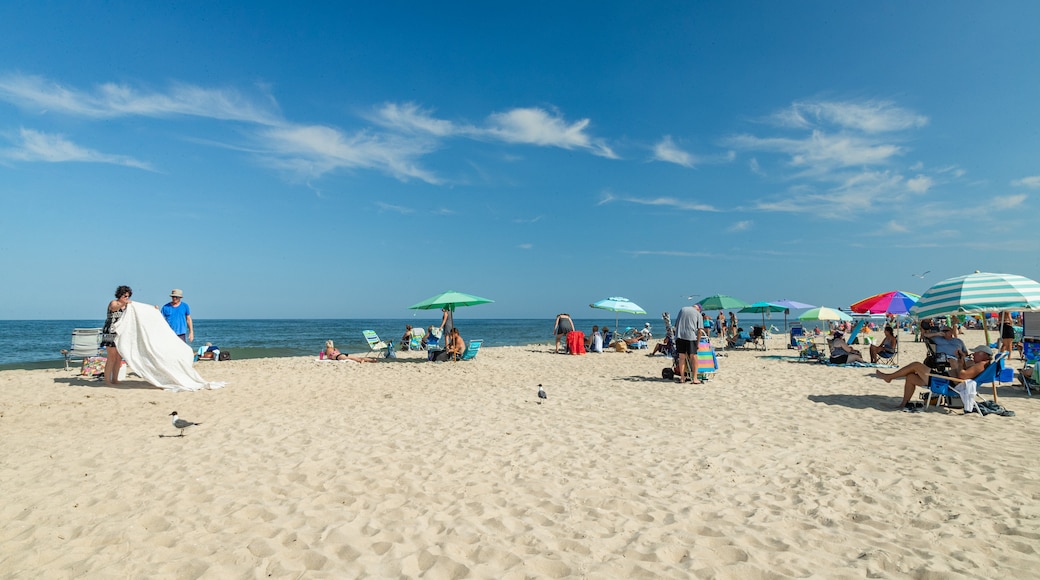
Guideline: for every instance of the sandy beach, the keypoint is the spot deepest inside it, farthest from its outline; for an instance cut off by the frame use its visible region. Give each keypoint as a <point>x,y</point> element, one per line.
<point>317,469</point>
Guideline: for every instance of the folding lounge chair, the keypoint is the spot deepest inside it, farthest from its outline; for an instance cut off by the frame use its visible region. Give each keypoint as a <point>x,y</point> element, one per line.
<point>374,344</point>
<point>798,340</point>
<point>758,337</point>
<point>940,385</point>
<point>471,349</point>
<point>415,342</point>
<point>86,342</point>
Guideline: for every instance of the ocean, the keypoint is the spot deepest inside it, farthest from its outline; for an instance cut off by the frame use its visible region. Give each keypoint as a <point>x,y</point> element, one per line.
<point>36,343</point>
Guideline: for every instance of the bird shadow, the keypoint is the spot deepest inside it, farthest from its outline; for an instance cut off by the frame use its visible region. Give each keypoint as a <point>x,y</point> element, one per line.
<point>94,383</point>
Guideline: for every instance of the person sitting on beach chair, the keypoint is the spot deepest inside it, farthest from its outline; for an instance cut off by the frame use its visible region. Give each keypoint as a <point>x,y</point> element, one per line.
<point>841,352</point>
<point>916,374</point>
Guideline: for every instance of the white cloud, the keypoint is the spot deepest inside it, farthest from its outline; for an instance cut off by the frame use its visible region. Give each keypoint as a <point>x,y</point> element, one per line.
<point>536,126</point>
<point>685,205</point>
<point>865,116</point>
<point>667,151</point>
<point>314,149</point>
<point>409,117</point>
<point>394,208</point>
<point>920,183</point>
<point>1032,181</point>
<point>741,226</point>
<point>525,246</point>
<point>43,147</point>
<point>110,100</point>
<point>894,226</point>
<point>1001,202</point>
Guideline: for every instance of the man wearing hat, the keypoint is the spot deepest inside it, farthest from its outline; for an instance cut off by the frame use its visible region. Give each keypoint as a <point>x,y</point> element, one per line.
<point>178,316</point>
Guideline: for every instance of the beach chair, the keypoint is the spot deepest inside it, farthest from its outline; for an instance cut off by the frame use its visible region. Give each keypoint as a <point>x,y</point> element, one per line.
<point>891,359</point>
<point>707,362</point>
<point>798,340</point>
<point>374,344</point>
<point>988,375</point>
<point>416,340</point>
<point>758,337</point>
<point>1034,379</point>
<point>741,340</point>
<point>86,342</point>
<point>471,349</point>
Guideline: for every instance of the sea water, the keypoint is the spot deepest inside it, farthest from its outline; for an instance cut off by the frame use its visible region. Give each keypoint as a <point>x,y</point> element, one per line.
<point>37,343</point>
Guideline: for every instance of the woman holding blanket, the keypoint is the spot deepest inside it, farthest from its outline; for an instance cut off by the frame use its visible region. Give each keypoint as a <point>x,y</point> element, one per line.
<point>116,308</point>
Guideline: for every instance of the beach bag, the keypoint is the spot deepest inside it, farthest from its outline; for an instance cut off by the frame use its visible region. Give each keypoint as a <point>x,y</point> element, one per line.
<point>224,355</point>
<point>576,342</point>
<point>439,356</point>
<point>390,351</point>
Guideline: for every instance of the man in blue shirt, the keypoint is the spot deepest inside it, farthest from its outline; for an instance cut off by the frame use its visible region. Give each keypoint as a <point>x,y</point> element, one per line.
<point>946,343</point>
<point>178,316</point>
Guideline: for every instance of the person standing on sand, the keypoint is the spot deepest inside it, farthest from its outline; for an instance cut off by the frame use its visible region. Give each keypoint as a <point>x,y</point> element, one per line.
<point>688,328</point>
<point>561,327</point>
<point>116,309</point>
<point>178,316</point>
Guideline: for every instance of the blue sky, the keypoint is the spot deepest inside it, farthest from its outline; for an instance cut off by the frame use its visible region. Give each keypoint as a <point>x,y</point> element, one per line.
<point>347,161</point>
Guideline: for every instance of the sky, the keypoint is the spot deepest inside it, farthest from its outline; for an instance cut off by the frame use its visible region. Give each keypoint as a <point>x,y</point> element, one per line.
<point>348,160</point>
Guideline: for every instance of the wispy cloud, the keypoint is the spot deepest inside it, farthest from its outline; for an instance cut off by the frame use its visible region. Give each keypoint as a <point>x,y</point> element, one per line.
<point>313,150</point>
<point>394,208</point>
<point>675,203</point>
<point>110,100</point>
<point>525,246</point>
<point>51,148</point>
<point>871,116</point>
<point>666,150</point>
<point>1032,182</point>
<point>741,226</point>
<point>1001,202</point>
<point>920,183</point>
<point>526,126</point>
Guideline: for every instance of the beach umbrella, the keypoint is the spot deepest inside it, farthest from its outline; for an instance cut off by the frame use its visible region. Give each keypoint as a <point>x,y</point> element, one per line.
<point>978,293</point>
<point>824,313</point>
<point>791,304</point>
<point>617,304</point>
<point>763,308</point>
<point>894,302</point>
<point>450,300</point>
<point>722,302</point>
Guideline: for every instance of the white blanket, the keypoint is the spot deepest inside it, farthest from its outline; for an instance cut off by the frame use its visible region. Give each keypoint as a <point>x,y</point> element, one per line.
<point>155,353</point>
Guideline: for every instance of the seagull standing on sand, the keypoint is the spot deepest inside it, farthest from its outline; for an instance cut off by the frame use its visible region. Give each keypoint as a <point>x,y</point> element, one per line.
<point>541,392</point>
<point>181,424</point>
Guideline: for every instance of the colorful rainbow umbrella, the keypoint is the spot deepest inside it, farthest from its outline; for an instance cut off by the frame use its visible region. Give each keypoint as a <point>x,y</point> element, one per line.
<point>894,302</point>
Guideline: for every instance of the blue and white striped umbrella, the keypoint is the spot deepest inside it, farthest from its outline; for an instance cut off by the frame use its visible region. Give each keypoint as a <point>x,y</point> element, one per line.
<point>977,293</point>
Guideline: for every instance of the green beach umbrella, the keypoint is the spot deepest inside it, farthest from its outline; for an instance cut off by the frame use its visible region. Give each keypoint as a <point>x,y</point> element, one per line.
<point>763,308</point>
<point>450,300</point>
<point>722,302</point>
<point>978,293</point>
<point>618,304</point>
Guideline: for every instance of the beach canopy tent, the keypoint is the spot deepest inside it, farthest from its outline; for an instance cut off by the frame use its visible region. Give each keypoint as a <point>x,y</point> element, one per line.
<point>617,304</point>
<point>722,302</point>
<point>450,300</point>
<point>893,302</point>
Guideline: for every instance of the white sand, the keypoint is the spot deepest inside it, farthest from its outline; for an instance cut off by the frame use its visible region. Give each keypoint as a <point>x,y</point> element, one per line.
<point>453,470</point>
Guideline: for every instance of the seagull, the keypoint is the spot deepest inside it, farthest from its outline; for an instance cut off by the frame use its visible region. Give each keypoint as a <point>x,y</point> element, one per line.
<point>921,275</point>
<point>692,296</point>
<point>541,392</point>
<point>181,424</point>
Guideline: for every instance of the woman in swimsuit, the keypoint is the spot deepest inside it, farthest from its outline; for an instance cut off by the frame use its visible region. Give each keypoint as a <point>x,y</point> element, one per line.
<point>563,325</point>
<point>116,309</point>
<point>1007,333</point>
<point>333,353</point>
<point>887,348</point>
